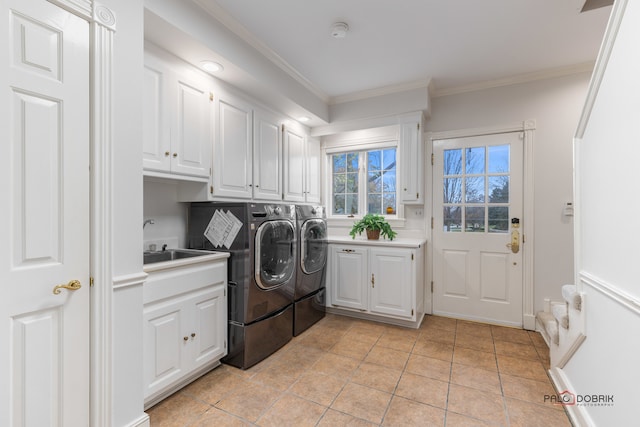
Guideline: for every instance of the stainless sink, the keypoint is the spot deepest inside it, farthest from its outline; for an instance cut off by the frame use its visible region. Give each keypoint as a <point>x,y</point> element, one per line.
<point>170,255</point>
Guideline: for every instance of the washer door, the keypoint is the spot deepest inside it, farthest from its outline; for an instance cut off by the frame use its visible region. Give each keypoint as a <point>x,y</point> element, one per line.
<point>313,245</point>
<point>275,254</point>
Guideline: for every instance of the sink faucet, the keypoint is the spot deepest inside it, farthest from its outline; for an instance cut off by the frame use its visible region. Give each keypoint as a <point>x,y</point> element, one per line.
<point>148,221</point>
<point>164,247</point>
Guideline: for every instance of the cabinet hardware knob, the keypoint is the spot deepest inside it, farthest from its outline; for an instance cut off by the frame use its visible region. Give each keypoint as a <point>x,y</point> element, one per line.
<point>193,335</point>
<point>186,338</point>
<point>175,154</point>
<point>166,154</point>
<point>73,285</point>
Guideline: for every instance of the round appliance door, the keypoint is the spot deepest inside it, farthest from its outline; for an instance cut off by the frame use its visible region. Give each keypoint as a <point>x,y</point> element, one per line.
<point>313,245</point>
<point>275,254</point>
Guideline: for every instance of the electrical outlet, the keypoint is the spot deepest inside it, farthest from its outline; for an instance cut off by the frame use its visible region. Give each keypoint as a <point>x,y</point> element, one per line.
<point>418,212</point>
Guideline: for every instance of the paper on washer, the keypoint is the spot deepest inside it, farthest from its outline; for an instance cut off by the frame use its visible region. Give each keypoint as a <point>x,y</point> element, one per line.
<point>222,229</point>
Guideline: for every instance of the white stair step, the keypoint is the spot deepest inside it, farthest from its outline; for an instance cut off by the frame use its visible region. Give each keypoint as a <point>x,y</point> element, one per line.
<point>559,312</point>
<point>572,296</point>
<point>550,325</point>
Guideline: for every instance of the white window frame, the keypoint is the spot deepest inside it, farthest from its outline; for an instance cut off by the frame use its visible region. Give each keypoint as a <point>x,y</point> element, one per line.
<point>396,220</point>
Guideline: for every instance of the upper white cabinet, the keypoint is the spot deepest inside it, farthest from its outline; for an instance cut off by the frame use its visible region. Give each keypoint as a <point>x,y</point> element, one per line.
<point>267,156</point>
<point>232,155</point>
<point>301,166</point>
<point>177,120</point>
<point>411,155</point>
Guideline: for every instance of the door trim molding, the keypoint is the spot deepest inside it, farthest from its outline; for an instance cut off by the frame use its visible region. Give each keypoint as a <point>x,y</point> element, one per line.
<point>528,127</point>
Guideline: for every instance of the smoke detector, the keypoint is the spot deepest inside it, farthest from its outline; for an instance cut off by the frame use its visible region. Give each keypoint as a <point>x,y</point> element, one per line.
<point>339,30</point>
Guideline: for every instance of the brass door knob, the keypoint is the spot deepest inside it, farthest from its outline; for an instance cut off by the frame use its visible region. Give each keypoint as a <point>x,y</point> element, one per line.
<point>73,285</point>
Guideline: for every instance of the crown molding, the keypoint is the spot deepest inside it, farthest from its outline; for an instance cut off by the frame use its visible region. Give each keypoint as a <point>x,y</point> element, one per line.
<point>517,79</point>
<point>221,15</point>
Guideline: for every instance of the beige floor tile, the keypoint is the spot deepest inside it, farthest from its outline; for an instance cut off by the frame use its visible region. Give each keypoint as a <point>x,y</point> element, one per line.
<point>336,365</point>
<point>376,376</point>
<point>333,418</point>
<point>523,351</point>
<point>528,390</point>
<point>249,402</point>
<point>351,348</point>
<point>477,404</point>
<point>504,333</point>
<point>478,359</point>
<point>531,369</point>
<point>526,414</point>
<point>429,367</point>
<point>215,385</point>
<point>362,402</point>
<point>387,357</point>
<point>320,341</point>
<point>397,342</point>
<point>277,377</point>
<point>438,335</point>
<point>179,410</point>
<point>456,420</point>
<point>292,411</point>
<point>217,418</point>
<point>434,349</point>
<point>404,412</point>
<point>480,379</point>
<point>319,388</point>
<point>471,328</point>
<point>401,331</point>
<point>424,390</point>
<point>445,323</point>
<point>537,339</point>
<point>474,342</point>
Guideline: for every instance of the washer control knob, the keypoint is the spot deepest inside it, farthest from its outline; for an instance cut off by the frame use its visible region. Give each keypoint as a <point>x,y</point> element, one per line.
<point>313,211</point>
<point>277,210</point>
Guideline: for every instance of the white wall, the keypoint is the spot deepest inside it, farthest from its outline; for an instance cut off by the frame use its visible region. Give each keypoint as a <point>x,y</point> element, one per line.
<point>555,105</point>
<point>170,217</point>
<point>607,153</point>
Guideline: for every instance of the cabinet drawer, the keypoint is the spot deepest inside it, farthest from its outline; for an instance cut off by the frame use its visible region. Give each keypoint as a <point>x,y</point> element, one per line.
<point>175,281</point>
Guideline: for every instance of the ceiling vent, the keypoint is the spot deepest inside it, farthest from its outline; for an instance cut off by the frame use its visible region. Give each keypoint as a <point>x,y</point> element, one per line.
<point>339,30</point>
<point>595,4</point>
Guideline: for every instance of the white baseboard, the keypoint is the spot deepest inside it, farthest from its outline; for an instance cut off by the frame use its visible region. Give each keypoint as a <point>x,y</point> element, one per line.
<point>143,421</point>
<point>577,414</point>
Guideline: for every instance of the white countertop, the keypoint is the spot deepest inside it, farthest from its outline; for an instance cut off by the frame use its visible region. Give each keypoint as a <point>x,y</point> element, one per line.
<point>163,265</point>
<point>398,242</point>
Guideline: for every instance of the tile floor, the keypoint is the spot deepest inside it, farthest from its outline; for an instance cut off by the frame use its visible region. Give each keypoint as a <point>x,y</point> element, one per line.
<point>349,372</point>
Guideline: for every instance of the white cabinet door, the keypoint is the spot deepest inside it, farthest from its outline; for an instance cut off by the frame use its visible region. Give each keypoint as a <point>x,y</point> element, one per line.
<point>209,332</point>
<point>191,133</point>
<point>294,171</point>
<point>411,155</point>
<point>348,277</point>
<point>267,155</point>
<point>313,186</point>
<point>233,152</point>
<point>392,282</point>
<point>156,143</point>
<point>163,346</point>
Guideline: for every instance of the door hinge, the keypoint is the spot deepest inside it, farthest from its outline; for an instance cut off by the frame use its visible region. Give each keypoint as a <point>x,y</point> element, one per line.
<point>412,311</point>
<point>91,281</point>
<point>433,158</point>
<point>417,195</point>
<point>432,286</point>
<point>373,281</point>
<point>211,189</point>
<point>411,257</point>
<point>432,222</point>
<point>210,96</point>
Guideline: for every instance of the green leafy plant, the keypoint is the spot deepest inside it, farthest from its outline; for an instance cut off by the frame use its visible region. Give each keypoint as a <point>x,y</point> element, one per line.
<point>372,222</point>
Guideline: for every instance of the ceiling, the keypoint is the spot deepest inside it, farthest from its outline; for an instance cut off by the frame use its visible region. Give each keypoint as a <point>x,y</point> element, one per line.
<point>393,45</point>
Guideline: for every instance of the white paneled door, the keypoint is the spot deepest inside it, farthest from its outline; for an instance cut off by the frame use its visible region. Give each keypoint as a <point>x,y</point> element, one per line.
<point>477,202</point>
<point>44,221</point>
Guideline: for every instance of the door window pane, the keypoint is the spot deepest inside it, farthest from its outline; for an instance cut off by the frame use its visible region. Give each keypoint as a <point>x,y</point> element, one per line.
<point>474,163</point>
<point>452,218</point>
<point>474,219</point>
<point>498,219</point>
<point>499,158</point>
<point>452,190</point>
<point>474,189</point>
<point>499,189</point>
<point>452,162</point>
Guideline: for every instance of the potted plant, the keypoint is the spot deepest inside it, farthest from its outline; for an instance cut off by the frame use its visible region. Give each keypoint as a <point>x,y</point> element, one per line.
<point>375,225</point>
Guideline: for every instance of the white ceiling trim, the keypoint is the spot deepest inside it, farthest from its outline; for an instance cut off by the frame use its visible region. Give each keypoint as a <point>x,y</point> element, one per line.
<point>519,79</point>
<point>386,90</point>
<point>240,30</point>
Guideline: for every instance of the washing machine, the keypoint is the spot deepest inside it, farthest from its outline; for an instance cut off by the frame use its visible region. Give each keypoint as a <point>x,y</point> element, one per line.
<point>309,293</point>
<point>261,272</point>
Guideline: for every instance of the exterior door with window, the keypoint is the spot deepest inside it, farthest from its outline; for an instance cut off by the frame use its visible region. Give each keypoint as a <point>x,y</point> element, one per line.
<point>478,184</point>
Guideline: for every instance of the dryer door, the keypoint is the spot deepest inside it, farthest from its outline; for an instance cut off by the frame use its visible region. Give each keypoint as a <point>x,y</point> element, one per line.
<point>275,254</point>
<point>313,245</point>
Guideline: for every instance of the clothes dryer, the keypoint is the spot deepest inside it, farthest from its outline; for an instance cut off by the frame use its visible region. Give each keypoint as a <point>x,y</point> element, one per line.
<point>261,272</point>
<point>309,294</point>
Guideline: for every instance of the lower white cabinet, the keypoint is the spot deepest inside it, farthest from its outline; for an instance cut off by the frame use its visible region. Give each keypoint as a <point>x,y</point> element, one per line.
<point>378,281</point>
<point>185,326</point>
